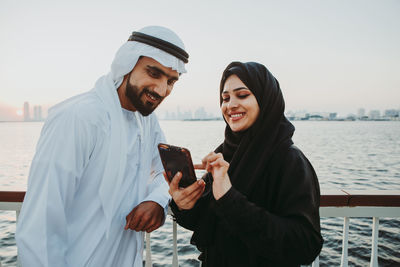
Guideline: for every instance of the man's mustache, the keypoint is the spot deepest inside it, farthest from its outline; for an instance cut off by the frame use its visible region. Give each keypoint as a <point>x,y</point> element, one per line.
<point>153,94</point>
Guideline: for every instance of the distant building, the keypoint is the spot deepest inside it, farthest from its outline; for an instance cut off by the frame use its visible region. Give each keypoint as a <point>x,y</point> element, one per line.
<point>315,117</point>
<point>27,116</point>
<point>374,115</point>
<point>37,113</point>
<point>301,115</point>
<point>392,113</point>
<point>290,115</point>
<point>351,117</point>
<point>361,113</point>
<point>178,113</point>
<point>169,116</point>
<point>187,115</point>
<point>200,113</point>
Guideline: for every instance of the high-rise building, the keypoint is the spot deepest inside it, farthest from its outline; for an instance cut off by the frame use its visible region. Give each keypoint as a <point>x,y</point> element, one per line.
<point>200,113</point>
<point>361,113</point>
<point>374,114</point>
<point>37,113</point>
<point>27,116</point>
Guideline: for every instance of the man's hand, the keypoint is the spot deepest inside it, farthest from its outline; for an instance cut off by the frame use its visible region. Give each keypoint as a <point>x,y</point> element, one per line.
<point>147,216</point>
<point>185,198</point>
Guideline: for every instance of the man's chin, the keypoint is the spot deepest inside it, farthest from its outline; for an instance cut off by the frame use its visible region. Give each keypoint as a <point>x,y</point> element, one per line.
<point>146,111</point>
<point>144,108</point>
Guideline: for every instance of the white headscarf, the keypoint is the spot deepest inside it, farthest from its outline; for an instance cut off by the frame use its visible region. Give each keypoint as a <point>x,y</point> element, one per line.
<point>106,86</point>
<point>129,53</point>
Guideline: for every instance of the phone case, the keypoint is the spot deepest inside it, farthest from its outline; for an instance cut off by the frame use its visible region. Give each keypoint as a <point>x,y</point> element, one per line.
<point>176,159</point>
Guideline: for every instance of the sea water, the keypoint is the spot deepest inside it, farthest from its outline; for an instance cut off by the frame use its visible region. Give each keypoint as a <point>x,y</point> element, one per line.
<point>356,155</point>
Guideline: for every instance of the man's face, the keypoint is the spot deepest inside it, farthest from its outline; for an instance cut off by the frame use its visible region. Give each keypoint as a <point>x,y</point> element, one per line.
<point>147,85</point>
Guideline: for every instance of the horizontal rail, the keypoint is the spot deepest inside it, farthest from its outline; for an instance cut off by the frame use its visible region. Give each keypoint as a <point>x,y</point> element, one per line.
<point>329,198</point>
<point>360,212</point>
<point>12,196</point>
<point>358,198</point>
<point>10,205</point>
<point>333,203</point>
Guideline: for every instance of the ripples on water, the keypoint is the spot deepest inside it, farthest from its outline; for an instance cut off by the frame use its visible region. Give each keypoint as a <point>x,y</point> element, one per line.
<point>345,155</point>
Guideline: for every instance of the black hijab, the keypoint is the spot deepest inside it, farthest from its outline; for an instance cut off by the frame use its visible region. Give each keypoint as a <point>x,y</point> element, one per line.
<point>251,153</point>
<point>255,151</point>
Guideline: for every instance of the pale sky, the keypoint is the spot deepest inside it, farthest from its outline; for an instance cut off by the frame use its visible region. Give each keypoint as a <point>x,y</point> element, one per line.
<point>327,55</point>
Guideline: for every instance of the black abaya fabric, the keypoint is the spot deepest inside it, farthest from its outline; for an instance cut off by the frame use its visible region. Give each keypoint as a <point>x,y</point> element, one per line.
<point>270,215</point>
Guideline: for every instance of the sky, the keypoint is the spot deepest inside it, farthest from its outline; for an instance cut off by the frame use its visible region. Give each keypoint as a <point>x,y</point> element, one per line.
<point>328,56</point>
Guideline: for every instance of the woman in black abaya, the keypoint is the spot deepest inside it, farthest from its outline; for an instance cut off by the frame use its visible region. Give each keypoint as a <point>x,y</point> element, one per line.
<point>259,204</point>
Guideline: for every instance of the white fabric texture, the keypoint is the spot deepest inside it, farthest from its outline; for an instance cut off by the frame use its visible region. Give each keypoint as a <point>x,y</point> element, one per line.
<point>124,61</point>
<point>79,186</point>
<point>62,221</point>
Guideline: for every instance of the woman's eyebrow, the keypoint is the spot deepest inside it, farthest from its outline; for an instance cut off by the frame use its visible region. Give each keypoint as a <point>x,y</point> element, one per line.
<point>236,89</point>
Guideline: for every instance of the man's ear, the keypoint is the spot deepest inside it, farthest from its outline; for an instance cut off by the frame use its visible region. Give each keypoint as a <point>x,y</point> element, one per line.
<point>124,80</point>
<point>126,77</point>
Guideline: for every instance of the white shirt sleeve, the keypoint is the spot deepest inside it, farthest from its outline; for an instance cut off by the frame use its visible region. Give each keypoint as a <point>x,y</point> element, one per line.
<point>62,153</point>
<point>158,187</point>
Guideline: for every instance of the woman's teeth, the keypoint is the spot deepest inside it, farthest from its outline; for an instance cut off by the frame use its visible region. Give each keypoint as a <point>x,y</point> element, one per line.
<point>236,115</point>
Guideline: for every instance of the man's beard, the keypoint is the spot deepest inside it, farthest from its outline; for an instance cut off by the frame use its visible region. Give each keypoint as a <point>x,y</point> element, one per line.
<point>134,95</point>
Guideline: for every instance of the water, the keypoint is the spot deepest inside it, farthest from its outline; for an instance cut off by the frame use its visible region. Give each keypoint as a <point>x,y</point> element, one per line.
<point>346,155</point>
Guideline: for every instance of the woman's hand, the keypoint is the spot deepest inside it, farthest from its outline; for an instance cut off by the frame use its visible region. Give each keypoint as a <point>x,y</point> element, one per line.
<point>185,198</point>
<point>218,167</point>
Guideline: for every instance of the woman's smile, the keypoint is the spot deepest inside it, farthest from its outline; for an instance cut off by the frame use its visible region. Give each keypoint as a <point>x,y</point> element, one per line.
<point>237,116</point>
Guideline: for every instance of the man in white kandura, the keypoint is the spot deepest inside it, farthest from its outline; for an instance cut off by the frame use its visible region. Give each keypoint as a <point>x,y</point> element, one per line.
<point>96,182</point>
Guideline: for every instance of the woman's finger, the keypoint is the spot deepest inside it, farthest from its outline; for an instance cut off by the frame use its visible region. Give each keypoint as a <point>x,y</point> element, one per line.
<point>213,157</point>
<point>201,166</point>
<point>219,162</point>
<point>186,192</point>
<point>197,194</point>
<point>205,159</point>
<point>189,201</point>
<point>174,185</point>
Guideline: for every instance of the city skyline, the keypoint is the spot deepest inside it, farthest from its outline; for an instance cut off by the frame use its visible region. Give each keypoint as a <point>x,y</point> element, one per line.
<point>327,56</point>
<point>37,112</point>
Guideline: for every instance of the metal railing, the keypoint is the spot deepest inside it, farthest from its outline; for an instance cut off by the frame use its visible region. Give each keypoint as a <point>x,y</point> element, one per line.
<point>339,203</point>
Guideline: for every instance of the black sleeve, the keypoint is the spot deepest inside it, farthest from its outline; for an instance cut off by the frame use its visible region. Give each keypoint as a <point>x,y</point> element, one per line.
<point>294,233</point>
<point>186,218</point>
<point>189,218</point>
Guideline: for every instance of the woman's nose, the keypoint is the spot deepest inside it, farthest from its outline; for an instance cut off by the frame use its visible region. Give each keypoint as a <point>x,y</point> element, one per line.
<point>232,103</point>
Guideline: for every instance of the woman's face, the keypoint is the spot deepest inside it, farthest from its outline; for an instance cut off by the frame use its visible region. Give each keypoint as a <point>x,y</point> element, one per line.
<point>239,105</point>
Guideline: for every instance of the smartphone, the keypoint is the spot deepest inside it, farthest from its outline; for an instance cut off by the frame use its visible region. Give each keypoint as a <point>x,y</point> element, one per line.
<point>176,159</point>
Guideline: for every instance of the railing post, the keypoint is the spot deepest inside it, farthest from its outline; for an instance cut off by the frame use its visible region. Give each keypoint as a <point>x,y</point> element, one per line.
<point>16,220</point>
<point>148,251</point>
<point>374,248</point>
<point>316,262</point>
<point>345,241</point>
<point>175,243</point>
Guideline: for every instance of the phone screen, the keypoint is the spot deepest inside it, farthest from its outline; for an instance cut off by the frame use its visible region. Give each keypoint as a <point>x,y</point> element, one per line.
<point>176,159</point>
